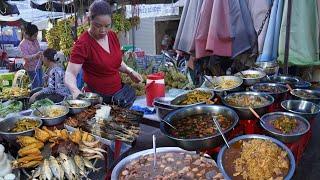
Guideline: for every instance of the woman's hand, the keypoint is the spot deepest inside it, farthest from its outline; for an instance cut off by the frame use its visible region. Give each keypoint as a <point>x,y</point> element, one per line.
<point>75,94</point>
<point>38,55</point>
<point>135,77</point>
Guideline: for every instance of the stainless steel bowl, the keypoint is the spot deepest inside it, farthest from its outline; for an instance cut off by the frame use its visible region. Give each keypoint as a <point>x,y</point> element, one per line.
<point>313,92</point>
<point>75,110</point>
<point>219,80</point>
<point>199,143</point>
<point>93,98</point>
<point>251,81</point>
<point>284,80</point>
<point>286,138</point>
<point>307,109</point>
<point>255,136</point>
<point>244,113</point>
<point>177,100</point>
<point>277,96</point>
<point>51,121</point>
<point>269,67</point>
<point>119,167</point>
<point>9,123</point>
<point>163,106</point>
<point>302,84</point>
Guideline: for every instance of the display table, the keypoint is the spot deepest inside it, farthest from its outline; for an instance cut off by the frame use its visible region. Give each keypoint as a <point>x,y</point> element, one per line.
<point>142,103</point>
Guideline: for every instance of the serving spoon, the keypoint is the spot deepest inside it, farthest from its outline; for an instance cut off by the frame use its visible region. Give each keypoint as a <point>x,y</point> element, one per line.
<point>154,152</point>
<point>242,74</point>
<point>42,115</point>
<point>168,124</point>
<point>220,130</point>
<point>289,87</point>
<point>215,86</point>
<point>256,114</point>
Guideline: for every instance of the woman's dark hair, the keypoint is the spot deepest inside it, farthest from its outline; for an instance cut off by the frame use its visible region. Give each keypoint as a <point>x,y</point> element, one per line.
<point>49,54</point>
<point>31,29</point>
<point>99,7</point>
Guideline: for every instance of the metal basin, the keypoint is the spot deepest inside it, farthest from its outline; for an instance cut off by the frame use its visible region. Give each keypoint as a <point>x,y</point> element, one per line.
<point>244,113</point>
<point>284,80</point>
<point>304,127</point>
<point>269,67</point>
<point>219,80</point>
<point>75,110</point>
<point>163,106</point>
<point>177,100</point>
<point>302,85</point>
<point>255,136</point>
<point>307,109</point>
<point>277,96</point>
<point>119,167</point>
<point>52,121</point>
<point>9,123</point>
<point>93,98</point>
<point>199,143</point>
<point>295,94</point>
<point>251,81</point>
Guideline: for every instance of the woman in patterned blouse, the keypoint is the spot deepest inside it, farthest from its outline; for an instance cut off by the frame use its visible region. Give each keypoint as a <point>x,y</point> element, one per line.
<point>54,77</point>
<point>31,54</point>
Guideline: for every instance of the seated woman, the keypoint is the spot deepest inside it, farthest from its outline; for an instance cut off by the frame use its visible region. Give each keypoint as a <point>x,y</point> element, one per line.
<point>54,86</point>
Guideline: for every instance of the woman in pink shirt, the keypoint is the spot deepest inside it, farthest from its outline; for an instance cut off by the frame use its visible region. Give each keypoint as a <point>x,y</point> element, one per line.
<point>31,53</point>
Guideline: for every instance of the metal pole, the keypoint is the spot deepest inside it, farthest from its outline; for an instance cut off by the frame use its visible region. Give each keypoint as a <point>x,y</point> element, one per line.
<point>75,37</point>
<point>287,42</point>
<point>132,28</point>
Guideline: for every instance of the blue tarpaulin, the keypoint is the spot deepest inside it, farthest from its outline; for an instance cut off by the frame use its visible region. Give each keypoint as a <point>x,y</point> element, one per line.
<point>10,39</point>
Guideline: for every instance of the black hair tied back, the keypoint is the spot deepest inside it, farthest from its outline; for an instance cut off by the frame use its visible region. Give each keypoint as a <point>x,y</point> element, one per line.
<point>98,8</point>
<point>50,54</point>
<point>31,29</point>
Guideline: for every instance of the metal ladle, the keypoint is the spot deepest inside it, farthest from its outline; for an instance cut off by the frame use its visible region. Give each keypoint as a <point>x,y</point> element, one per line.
<point>154,146</point>
<point>242,74</point>
<point>68,103</point>
<point>214,85</point>
<point>256,114</point>
<point>220,130</point>
<point>168,124</point>
<point>42,115</point>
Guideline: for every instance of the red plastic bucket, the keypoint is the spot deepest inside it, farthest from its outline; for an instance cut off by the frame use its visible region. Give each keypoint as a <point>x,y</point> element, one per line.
<point>155,87</point>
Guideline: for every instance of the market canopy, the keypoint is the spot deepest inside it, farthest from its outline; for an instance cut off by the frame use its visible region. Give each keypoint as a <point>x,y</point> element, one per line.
<point>39,18</point>
<point>7,9</point>
<point>54,5</point>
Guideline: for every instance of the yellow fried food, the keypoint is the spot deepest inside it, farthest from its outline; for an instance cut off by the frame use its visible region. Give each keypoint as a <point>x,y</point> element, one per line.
<point>64,134</point>
<point>24,124</point>
<point>76,136</point>
<point>51,133</point>
<point>195,97</point>
<point>30,157</point>
<point>25,152</point>
<point>90,138</point>
<point>38,145</point>
<point>30,164</point>
<point>26,140</point>
<point>84,136</point>
<point>58,133</point>
<point>41,135</point>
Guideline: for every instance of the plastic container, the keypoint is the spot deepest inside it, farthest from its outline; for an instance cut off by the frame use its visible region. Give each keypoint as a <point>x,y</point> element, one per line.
<point>155,87</point>
<point>6,79</point>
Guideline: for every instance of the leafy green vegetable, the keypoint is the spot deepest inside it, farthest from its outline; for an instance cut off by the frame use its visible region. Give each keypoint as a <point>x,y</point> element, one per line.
<point>41,103</point>
<point>13,107</point>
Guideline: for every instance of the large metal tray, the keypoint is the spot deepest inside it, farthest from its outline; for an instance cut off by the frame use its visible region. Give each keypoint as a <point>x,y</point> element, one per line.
<point>117,170</point>
<point>256,136</point>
